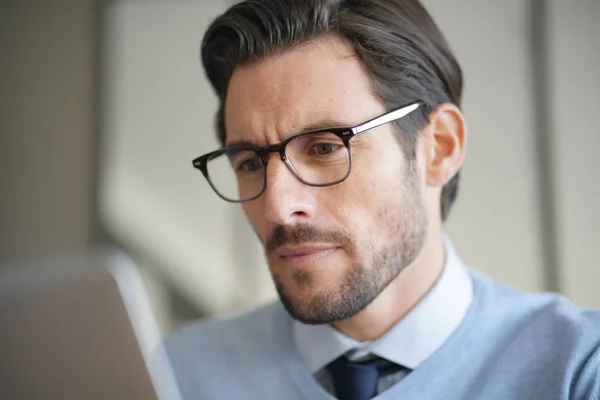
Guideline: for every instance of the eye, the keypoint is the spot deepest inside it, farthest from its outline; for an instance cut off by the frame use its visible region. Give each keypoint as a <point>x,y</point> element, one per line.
<point>324,148</point>
<point>250,165</point>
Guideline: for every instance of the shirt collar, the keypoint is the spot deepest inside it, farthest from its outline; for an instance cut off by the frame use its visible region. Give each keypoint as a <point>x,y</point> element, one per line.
<point>413,339</point>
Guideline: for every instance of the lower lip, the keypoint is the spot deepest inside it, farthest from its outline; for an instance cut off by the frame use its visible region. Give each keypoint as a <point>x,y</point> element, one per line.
<point>310,257</point>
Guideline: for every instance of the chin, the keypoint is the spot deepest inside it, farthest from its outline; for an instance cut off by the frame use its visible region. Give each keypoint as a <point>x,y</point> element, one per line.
<point>312,306</point>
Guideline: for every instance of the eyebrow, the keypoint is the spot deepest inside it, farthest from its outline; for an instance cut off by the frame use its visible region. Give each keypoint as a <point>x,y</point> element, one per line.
<point>312,127</point>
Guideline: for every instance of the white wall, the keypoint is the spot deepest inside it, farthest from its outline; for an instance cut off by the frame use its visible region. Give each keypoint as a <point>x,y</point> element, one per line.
<point>575,94</point>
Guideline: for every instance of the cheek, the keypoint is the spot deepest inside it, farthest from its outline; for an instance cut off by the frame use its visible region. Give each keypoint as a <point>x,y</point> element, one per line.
<point>378,166</point>
<point>372,195</point>
<point>356,206</point>
<point>374,180</point>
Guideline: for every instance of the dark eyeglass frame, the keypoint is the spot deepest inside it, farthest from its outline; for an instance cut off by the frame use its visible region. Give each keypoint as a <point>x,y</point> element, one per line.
<point>345,134</point>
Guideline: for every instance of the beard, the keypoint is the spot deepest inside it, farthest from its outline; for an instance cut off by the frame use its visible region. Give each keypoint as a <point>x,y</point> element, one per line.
<point>406,221</point>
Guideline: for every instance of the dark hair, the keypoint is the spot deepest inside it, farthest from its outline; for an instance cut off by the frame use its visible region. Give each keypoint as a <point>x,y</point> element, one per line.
<point>397,41</point>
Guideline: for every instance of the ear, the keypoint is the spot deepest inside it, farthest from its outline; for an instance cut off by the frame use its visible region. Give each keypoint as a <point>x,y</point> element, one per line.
<point>445,140</point>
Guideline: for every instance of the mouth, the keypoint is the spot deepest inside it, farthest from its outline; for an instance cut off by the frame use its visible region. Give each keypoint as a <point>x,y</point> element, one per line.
<point>305,253</point>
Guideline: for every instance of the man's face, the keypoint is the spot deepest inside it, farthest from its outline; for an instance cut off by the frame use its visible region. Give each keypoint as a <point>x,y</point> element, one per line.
<point>331,250</point>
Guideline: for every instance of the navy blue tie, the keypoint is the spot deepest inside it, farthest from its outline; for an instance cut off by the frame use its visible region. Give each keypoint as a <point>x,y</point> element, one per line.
<point>358,380</point>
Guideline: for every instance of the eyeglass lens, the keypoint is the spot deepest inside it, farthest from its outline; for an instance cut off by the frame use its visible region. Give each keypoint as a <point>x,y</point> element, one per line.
<point>316,159</point>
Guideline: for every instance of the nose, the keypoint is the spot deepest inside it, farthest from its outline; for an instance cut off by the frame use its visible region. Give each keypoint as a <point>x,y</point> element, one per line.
<point>287,201</point>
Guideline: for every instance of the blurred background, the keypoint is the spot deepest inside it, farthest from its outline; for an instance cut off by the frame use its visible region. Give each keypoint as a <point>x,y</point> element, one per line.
<point>103,105</point>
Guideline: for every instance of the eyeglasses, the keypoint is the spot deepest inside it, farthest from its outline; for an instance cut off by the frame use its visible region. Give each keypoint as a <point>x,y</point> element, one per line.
<point>317,158</point>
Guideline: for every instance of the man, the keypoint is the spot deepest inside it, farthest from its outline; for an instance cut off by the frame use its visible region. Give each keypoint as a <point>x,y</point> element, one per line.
<point>343,139</point>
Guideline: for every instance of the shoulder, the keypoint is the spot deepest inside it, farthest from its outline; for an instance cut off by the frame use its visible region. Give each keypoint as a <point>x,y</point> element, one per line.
<point>547,329</point>
<point>250,332</point>
<point>217,349</point>
<point>537,310</point>
<point>244,356</point>
<point>230,357</point>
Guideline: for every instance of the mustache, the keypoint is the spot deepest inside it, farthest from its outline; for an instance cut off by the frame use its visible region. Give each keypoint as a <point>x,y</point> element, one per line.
<point>304,233</point>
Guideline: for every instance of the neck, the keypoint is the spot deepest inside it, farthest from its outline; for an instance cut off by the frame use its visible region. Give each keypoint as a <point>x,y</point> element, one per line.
<point>400,296</point>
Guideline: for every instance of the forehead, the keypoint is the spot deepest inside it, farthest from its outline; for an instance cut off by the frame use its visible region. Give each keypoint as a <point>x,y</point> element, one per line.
<point>281,95</point>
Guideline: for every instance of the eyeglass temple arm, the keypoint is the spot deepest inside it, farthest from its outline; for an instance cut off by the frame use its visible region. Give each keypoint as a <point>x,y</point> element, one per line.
<point>384,119</point>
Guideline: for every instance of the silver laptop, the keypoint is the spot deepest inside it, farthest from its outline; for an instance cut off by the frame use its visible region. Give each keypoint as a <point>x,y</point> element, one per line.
<point>80,329</point>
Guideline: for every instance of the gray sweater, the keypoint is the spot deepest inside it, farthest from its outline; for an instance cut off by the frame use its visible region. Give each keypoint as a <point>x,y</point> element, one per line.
<point>510,345</point>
